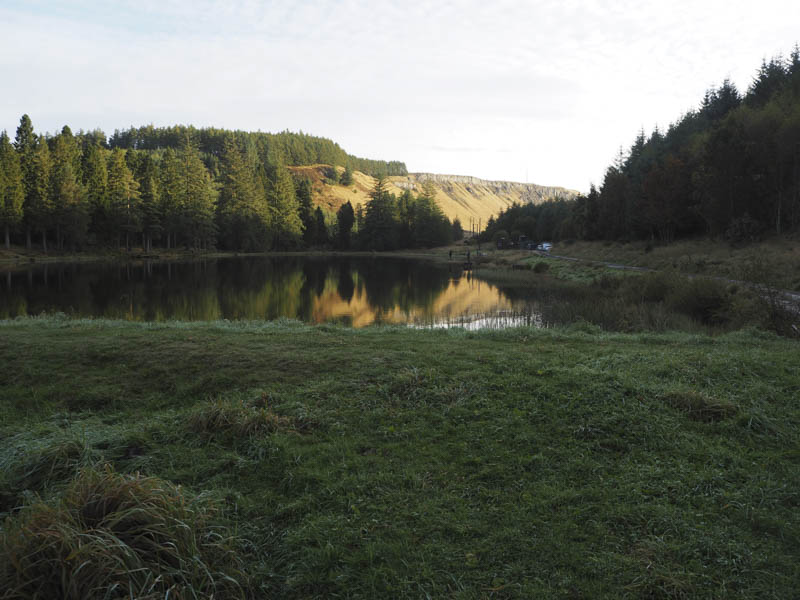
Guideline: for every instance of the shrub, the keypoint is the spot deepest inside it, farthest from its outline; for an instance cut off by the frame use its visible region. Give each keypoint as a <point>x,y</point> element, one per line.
<point>704,300</point>
<point>541,267</point>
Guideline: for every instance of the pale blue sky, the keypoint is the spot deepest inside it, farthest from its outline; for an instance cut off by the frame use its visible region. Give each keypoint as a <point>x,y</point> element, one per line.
<point>544,90</point>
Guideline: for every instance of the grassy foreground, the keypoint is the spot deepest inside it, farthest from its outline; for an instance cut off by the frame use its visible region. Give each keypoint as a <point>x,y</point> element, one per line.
<point>283,460</point>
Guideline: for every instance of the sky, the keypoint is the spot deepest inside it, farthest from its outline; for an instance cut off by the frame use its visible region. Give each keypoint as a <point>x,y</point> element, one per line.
<point>540,91</point>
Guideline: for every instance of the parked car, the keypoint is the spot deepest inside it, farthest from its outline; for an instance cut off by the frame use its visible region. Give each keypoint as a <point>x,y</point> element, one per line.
<point>545,246</point>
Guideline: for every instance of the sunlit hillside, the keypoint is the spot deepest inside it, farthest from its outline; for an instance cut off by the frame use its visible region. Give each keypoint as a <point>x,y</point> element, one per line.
<point>459,197</point>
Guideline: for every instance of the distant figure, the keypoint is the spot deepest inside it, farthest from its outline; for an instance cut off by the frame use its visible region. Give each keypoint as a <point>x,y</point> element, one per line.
<point>451,255</point>
<point>467,255</point>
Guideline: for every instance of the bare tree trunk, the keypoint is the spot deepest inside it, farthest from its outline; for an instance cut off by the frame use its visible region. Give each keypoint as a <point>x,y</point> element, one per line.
<point>28,238</point>
<point>44,241</point>
<point>8,239</point>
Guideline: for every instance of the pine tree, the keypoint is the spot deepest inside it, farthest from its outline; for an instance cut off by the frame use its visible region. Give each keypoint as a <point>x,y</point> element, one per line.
<point>345,218</point>
<point>241,210</point>
<point>95,179</point>
<point>347,176</point>
<point>147,177</point>
<point>12,191</point>
<point>123,198</point>
<point>67,196</point>
<point>306,209</point>
<point>380,222</point>
<point>25,145</point>
<point>320,228</point>
<point>38,207</point>
<point>286,226</point>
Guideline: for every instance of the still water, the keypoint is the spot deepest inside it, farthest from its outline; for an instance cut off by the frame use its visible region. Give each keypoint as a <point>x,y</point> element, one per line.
<point>349,290</point>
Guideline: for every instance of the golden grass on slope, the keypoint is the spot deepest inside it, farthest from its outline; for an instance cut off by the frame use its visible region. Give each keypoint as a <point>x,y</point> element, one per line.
<point>458,199</point>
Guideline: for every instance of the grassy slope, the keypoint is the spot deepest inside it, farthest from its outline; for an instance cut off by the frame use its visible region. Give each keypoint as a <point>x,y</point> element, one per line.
<point>775,261</point>
<point>455,199</point>
<point>518,463</point>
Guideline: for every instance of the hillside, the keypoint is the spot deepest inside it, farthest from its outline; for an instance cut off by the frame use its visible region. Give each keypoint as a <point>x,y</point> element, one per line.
<point>459,196</point>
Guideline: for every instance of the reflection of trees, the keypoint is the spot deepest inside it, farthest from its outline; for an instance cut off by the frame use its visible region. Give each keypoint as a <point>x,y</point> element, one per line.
<point>344,281</point>
<point>262,289</point>
<point>344,288</point>
<point>402,284</point>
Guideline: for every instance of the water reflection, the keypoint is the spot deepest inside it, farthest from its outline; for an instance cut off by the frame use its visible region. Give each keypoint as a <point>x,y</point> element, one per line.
<point>354,291</point>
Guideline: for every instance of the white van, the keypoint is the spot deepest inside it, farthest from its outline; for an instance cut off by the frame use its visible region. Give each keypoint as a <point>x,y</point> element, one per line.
<point>545,246</point>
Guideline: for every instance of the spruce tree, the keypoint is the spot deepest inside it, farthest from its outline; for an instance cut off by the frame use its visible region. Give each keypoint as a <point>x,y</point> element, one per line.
<point>147,177</point>
<point>25,145</point>
<point>95,179</point>
<point>38,207</point>
<point>320,228</point>
<point>123,198</point>
<point>197,199</point>
<point>345,218</point>
<point>380,221</point>
<point>12,191</point>
<point>347,176</point>
<point>306,209</point>
<point>66,193</point>
<point>241,210</point>
<point>286,226</point>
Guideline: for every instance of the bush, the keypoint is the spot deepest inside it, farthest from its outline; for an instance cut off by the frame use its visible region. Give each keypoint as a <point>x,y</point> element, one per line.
<point>704,300</point>
<point>743,230</point>
<point>541,267</point>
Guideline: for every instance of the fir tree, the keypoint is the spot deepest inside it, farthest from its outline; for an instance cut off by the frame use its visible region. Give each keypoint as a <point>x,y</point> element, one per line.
<point>123,198</point>
<point>12,191</point>
<point>95,179</point>
<point>345,218</point>
<point>380,221</point>
<point>285,224</point>
<point>347,176</point>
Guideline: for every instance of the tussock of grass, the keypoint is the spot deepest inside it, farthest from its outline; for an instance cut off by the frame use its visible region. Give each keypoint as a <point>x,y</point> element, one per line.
<point>35,469</point>
<point>115,536</point>
<point>238,418</point>
<point>700,407</point>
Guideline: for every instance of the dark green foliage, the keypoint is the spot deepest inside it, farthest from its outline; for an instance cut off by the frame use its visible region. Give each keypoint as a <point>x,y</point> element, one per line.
<point>296,148</point>
<point>306,209</point>
<point>124,210</point>
<point>321,236</point>
<point>347,176</point>
<point>731,167</point>
<point>176,186</point>
<point>345,219</point>
<point>70,216</point>
<point>12,190</point>
<point>380,231</point>
<point>541,267</point>
<point>242,212</point>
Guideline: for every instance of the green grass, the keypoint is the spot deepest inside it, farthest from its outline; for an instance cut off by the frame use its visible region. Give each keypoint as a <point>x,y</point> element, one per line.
<point>389,462</point>
<point>775,262</point>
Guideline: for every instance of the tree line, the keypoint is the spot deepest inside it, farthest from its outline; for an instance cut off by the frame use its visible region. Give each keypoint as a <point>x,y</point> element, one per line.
<point>729,169</point>
<point>197,188</point>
